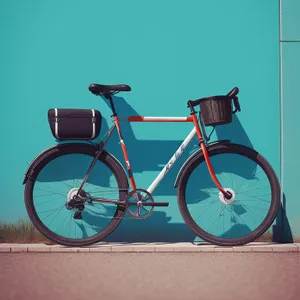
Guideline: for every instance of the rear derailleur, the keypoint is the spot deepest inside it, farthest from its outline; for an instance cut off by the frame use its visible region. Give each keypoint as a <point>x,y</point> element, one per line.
<point>77,202</point>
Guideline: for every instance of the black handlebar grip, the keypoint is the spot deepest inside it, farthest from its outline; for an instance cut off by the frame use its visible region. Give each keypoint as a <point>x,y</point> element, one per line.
<point>233,92</point>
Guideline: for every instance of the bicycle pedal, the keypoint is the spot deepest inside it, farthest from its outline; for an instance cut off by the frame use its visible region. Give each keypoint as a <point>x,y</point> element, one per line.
<point>159,204</point>
<point>151,203</point>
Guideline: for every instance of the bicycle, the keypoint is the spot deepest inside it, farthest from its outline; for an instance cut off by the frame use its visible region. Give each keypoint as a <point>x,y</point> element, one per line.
<point>92,193</point>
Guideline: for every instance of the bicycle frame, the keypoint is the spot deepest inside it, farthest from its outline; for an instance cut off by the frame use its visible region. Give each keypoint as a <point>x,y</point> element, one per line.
<point>172,160</point>
<point>195,131</point>
<point>168,166</point>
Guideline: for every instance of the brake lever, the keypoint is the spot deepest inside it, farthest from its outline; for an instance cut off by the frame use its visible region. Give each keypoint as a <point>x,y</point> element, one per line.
<point>236,105</point>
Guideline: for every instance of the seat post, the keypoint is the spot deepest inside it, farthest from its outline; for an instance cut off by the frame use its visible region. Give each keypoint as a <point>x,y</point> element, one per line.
<point>109,97</point>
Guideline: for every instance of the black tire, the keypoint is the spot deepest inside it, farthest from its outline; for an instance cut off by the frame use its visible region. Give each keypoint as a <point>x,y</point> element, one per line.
<point>76,148</point>
<point>244,151</point>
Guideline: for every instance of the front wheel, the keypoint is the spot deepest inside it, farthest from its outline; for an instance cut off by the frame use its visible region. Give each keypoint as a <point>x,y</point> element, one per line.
<point>51,191</point>
<point>252,207</point>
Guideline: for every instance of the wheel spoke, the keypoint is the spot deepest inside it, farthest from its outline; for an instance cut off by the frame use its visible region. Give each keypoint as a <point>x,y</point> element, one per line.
<point>56,214</point>
<point>251,190</point>
<point>221,211</point>
<point>205,209</point>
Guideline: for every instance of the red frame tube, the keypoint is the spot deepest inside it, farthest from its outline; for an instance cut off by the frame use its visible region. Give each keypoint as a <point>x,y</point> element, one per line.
<point>131,178</point>
<point>206,156</point>
<point>159,119</point>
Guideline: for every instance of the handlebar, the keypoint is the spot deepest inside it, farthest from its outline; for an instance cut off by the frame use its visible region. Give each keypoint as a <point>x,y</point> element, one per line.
<point>236,105</point>
<point>232,95</point>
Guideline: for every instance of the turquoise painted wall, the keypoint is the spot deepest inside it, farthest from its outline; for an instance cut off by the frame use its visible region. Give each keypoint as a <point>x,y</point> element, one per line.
<point>168,51</point>
<point>290,112</point>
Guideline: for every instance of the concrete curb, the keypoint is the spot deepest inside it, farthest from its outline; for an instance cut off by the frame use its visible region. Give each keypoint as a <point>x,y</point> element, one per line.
<point>149,248</point>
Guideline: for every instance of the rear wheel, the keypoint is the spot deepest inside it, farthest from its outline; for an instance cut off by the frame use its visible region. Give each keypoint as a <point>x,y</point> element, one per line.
<point>252,207</point>
<point>50,191</point>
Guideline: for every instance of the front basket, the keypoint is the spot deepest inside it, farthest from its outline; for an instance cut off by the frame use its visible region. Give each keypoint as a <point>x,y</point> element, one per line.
<point>216,110</point>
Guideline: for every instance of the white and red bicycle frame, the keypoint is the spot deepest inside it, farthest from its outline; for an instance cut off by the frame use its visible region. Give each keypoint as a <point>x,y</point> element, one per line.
<point>195,131</point>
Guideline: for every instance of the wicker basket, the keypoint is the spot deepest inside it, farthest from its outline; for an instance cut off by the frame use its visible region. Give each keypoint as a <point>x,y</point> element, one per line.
<point>216,110</point>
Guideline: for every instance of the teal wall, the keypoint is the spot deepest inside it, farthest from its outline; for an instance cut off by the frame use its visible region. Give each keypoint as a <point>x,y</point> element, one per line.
<point>290,45</point>
<point>168,51</point>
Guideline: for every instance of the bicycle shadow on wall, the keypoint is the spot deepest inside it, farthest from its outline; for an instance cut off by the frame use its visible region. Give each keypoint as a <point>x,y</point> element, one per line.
<point>155,153</point>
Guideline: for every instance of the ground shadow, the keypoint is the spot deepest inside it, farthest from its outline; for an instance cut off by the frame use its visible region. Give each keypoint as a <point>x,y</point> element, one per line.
<point>282,232</point>
<point>156,228</point>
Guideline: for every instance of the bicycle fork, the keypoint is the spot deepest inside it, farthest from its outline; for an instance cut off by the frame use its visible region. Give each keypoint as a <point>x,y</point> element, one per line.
<point>212,173</point>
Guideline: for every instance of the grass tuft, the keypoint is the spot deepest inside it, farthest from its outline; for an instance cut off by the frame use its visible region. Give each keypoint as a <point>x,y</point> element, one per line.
<point>22,231</point>
<point>266,237</point>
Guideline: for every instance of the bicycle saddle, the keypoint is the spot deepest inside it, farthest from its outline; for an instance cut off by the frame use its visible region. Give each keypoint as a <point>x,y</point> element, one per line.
<point>98,89</point>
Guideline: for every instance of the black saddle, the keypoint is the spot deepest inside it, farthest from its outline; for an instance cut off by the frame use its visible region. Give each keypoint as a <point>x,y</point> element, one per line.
<point>100,89</point>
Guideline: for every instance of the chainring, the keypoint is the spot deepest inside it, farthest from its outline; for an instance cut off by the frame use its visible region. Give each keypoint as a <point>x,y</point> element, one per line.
<point>136,200</point>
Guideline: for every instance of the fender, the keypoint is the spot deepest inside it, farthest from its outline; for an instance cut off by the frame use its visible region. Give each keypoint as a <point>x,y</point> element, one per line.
<point>34,162</point>
<point>41,156</point>
<point>195,154</point>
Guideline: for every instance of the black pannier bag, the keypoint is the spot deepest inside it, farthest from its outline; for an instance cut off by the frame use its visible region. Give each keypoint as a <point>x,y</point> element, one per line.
<point>74,124</point>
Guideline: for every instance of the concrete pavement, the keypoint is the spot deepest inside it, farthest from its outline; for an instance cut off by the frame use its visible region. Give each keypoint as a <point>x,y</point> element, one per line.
<point>152,247</point>
<point>159,276</point>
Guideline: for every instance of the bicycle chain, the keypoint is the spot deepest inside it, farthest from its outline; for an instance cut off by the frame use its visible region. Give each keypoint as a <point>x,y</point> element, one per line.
<point>132,215</point>
<point>122,218</point>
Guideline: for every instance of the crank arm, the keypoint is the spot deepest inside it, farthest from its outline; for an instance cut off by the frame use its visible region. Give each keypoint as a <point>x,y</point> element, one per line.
<point>117,202</point>
<point>151,204</point>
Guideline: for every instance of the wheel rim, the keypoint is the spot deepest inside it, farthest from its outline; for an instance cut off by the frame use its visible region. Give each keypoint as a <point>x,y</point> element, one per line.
<point>57,181</point>
<point>235,219</point>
